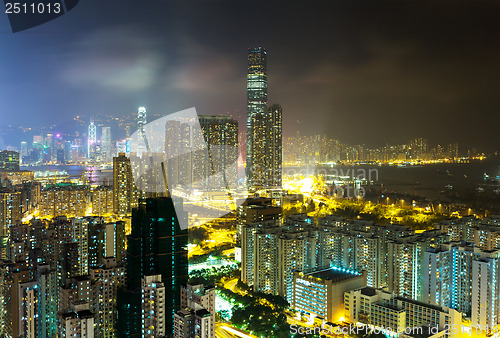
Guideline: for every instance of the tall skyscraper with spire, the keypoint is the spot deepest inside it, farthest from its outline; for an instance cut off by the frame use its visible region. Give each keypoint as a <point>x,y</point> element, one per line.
<point>256,116</point>
<point>141,118</point>
<point>92,140</point>
<point>263,160</point>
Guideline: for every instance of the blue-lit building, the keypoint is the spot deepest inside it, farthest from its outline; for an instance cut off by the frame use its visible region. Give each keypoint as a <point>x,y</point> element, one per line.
<point>320,293</point>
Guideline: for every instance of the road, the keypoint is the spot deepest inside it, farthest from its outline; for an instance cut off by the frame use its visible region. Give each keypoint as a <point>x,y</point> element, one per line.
<point>225,330</point>
<point>231,284</point>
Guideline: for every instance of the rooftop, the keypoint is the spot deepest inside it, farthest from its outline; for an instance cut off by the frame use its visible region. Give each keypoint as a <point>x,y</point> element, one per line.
<point>334,274</point>
<point>368,291</point>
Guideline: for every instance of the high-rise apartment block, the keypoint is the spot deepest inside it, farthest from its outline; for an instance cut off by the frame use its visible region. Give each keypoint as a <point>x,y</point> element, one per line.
<point>192,323</point>
<point>256,209</point>
<point>9,160</point>
<point>10,215</point>
<point>106,279</point>
<point>65,200</point>
<point>102,200</point>
<point>465,278</point>
<point>392,255</point>
<point>398,315</point>
<point>273,174</point>
<point>77,322</point>
<point>153,303</point>
<point>196,298</point>
<point>124,189</point>
<point>321,293</point>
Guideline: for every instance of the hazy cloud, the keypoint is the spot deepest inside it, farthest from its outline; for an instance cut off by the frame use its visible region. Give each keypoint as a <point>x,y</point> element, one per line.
<point>120,58</point>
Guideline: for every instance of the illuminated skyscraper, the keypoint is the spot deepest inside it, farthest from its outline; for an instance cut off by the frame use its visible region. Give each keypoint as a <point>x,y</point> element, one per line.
<point>105,280</point>
<point>264,128</point>
<point>221,135</point>
<point>275,157</point>
<point>24,149</point>
<point>106,144</point>
<point>141,118</point>
<point>124,190</point>
<point>10,215</point>
<point>91,141</point>
<point>465,278</point>
<point>256,116</point>
<point>156,246</point>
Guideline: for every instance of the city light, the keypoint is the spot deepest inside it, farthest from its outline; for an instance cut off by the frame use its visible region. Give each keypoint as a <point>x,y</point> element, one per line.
<point>158,178</point>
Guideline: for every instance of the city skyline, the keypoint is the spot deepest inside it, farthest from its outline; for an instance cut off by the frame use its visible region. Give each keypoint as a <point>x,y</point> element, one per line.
<point>368,204</point>
<point>371,75</point>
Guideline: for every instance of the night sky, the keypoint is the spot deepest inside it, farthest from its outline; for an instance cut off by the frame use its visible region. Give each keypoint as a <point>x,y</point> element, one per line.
<point>372,72</point>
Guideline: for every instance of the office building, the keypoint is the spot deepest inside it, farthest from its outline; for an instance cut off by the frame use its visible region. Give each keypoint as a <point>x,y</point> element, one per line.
<point>320,293</point>
<point>256,116</point>
<point>124,189</point>
<point>24,150</point>
<point>141,118</point>
<point>106,145</point>
<point>92,141</point>
<point>264,128</point>
<point>156,246</point>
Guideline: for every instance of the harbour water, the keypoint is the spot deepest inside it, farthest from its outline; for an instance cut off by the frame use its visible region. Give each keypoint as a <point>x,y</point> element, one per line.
<point>427,181</point>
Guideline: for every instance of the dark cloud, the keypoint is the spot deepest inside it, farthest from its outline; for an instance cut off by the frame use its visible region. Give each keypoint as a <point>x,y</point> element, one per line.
<point>369,72</point>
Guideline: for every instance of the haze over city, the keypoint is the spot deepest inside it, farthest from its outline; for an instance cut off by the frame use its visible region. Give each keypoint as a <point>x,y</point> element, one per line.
<point>362,72</point>
<point>340,175</point>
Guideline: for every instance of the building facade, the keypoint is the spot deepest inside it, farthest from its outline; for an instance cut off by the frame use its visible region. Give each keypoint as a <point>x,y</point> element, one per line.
<point>124,189</point>
<point>321,293</point>
<point>156,246</point>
